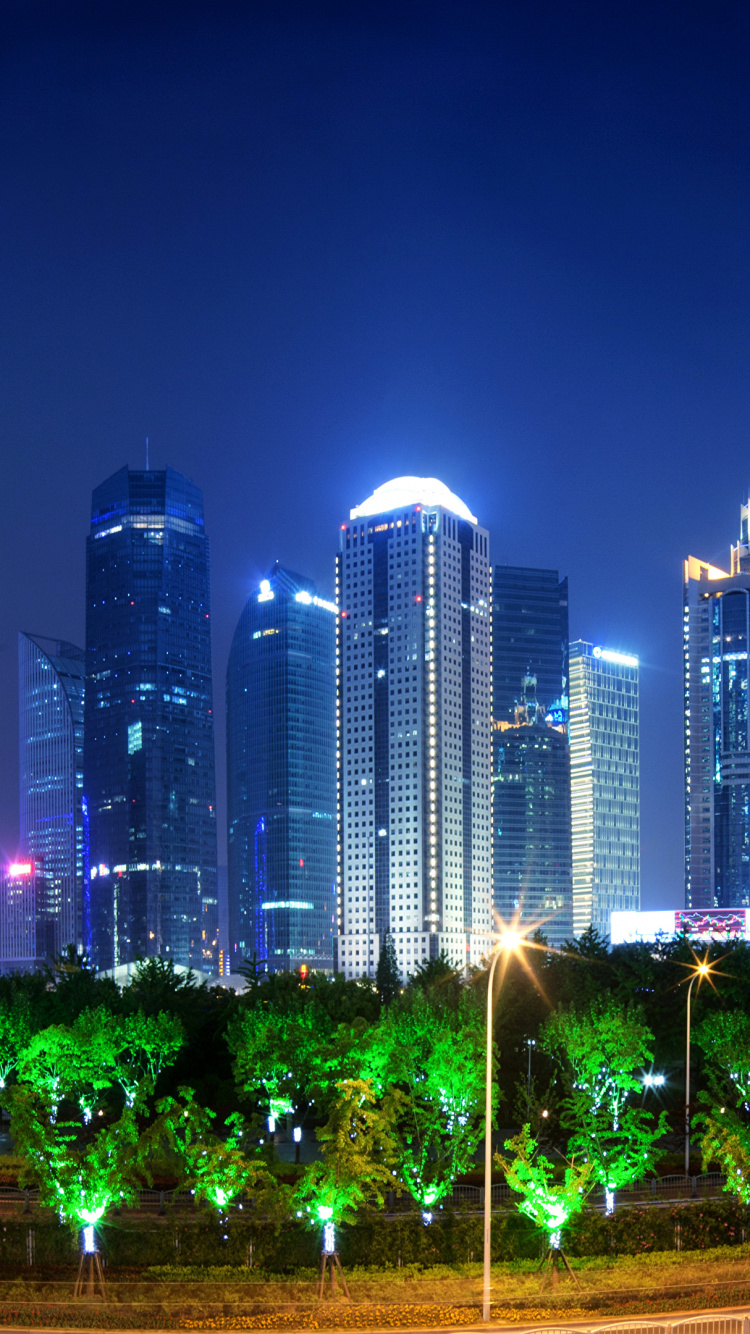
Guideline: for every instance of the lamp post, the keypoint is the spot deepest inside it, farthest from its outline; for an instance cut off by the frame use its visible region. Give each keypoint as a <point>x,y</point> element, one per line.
<point>702,970</point>
<point>509,940</point>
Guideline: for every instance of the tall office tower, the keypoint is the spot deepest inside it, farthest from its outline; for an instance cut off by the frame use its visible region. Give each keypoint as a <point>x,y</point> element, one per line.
<point>532,872</point>
<point>51,679</point>
<point>281,776</point>
<point>19,950</point>
<point>149,780</point>
<point>717,741</point>
<point>529,638</point>
<point>413,585</point>
<point>605,785</point>
<point>530,758</point>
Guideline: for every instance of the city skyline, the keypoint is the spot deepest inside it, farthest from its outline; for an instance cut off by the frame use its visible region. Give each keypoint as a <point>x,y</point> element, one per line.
<point>306,248</point>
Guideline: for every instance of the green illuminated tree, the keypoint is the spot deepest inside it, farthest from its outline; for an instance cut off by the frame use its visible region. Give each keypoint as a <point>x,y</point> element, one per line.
<point>603,1050</point>
<point>216,1169</point>
<point>144,1045</point>
<point>73,1062</point>
<point>272,1056</point>
<point>359,1155</point>
<point>15,1035</point>
<point>548,1199</point>
<point>435,1057</point>
<point>725,1040</point>
<point>81,1169</point>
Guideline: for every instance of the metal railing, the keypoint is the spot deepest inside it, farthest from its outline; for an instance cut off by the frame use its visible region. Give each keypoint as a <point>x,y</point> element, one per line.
<point>700,1324</point>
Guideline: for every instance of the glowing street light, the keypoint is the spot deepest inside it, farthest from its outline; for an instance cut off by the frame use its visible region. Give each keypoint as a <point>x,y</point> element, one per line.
<point>509,941</point>
<point>700,971</point>
<point>653,1081</point>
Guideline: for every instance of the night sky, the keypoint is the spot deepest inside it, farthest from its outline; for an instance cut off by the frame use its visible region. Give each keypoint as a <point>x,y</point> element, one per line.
<point>305,248</point>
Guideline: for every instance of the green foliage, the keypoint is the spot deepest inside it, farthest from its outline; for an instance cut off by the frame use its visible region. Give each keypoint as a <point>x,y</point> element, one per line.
<point>215,1169</point>
<point>72,1062</point>
<point>603,1050</point>
<point>547,1201</point>
<point>359,1155</point>
<point>144,1046</point>
<point>434,1056</point>
<point>15,1034</point>
<point>80,1170</point>
<point>725,1038</point>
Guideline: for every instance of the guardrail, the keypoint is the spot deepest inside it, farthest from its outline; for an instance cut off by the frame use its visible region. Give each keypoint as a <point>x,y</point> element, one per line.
<point>679,1185</point>
<point>652,1188</point>
<point>718,1324</point>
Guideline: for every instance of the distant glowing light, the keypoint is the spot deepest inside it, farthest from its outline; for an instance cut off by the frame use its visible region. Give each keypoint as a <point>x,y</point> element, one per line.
<point>266,592</point>
<point>402,492</point>
<point>89,1240</point>
<point>310,600</point>
<point>17,869</point>
<point>653,1081</point>
<point>329,1239</point>
<point>608,655</point>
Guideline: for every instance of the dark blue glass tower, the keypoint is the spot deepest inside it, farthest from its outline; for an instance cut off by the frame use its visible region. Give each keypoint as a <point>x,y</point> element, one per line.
<point>281,776</point>
<point>531,827</point>
<point>51,681</point>
<point>149,778</point>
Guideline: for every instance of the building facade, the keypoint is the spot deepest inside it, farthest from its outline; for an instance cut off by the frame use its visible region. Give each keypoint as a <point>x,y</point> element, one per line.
<point>281,776</point>
<point>51,687</point>
<point>532,873</point>
<point>717,741</point>
<point>149,779</point>
<point>20,949</point>
<point>414,663</point>
<point>605,784</point>
<point>529,639</point>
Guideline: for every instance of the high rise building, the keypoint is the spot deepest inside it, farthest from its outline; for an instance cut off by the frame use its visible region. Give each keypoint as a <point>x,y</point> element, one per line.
<point>20,950</point>
<point>281,776</point>
<point>532,872</point>
<point>530,758</point>
<point>529,638</point>
<point>413,585</point>
<point>149,781</point>
<point>51,681</point>
<point>605,785</point>
<point>717,741</point>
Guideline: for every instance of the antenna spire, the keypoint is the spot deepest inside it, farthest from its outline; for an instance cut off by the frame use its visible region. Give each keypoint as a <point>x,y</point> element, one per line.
<point>147,454</point>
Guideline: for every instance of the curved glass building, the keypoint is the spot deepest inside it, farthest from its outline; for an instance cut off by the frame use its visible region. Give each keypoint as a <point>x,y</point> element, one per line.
<point>281,776</point>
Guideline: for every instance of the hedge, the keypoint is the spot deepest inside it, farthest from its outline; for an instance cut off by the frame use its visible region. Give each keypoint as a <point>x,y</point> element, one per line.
<point>452,1238</point>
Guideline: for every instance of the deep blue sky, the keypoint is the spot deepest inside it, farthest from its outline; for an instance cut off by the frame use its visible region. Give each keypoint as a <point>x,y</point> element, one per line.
<point>307,247</point>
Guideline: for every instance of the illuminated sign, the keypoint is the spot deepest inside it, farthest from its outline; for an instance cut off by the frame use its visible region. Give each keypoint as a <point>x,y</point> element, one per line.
<point>311,601</point>
<point>266,592</point>
<point>17,869</point>
<point>607,655</point>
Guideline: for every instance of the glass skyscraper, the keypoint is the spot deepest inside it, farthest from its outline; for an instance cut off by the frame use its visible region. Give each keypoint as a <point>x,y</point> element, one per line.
<point>281,776</point>
<point>51,682</point>
<point>717,739</point>
<point>149,779</point>
<point>605,784</point>
<point>530,758</point>
<point>413,581</point>
<point>529,638</point>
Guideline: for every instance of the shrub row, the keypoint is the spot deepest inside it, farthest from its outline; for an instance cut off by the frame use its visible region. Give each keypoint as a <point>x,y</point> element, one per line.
<point>452,1238</point>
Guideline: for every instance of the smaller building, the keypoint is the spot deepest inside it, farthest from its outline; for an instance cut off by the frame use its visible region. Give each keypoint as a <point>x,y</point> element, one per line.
<point>20,949</point>
<point>604,784</point>
<point>700,924</point>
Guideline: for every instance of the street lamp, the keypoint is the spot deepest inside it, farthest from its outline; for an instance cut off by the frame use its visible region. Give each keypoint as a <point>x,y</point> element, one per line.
<point>700,971</point>
<point>509,940</point>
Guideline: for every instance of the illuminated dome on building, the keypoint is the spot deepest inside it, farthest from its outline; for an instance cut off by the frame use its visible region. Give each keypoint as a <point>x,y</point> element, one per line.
<point>401,492</point>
